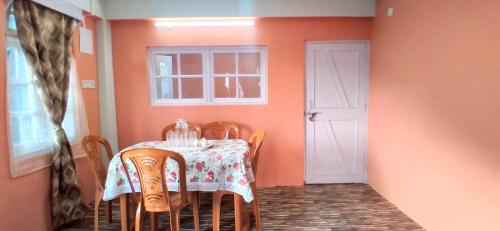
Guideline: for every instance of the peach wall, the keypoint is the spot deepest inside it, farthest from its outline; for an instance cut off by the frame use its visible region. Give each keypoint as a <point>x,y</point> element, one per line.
<point>24,201</point>
<point>87,70</point>
<point>282,160</point>
<point>434,130</point>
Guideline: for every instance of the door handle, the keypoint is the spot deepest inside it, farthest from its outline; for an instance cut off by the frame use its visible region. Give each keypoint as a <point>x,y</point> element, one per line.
<point>311,115</point>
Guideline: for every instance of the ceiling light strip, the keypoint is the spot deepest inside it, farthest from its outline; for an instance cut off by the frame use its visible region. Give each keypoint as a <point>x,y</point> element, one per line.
<point>205,23</point>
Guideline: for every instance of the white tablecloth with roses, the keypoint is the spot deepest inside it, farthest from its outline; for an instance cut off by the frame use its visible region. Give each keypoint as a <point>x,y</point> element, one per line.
<point>224,166</point>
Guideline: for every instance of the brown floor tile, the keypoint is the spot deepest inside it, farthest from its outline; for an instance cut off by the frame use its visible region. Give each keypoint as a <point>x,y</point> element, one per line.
<point>349,207</point>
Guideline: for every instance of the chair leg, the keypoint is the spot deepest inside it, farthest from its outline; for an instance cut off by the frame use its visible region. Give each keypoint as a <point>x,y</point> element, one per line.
<point>255,207</point>
<point>124,213</point>
<point>174,220</point>
<point>196,217</point>
<point>97,201</point>
<point>109,209</point>
<point>216,200</point>
<point>134,202</point>
<point>133,206</point>
<point>241,219</point>
<point>153,221</point>
<point>138,218</point>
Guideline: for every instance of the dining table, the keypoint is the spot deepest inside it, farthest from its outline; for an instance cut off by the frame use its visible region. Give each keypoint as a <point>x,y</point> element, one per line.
<point>221,165</point>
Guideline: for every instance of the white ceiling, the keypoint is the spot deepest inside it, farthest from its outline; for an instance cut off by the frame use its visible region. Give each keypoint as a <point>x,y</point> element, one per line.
<point>147,9</point>
<point>92,6</point>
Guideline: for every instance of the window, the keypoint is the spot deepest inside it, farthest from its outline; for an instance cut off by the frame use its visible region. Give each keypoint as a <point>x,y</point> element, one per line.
<point>207,75</point>
<point>30,130</point>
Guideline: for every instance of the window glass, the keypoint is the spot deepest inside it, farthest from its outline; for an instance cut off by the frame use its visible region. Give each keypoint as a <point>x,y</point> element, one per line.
<point>249,63</point>
<point>166,65</point>
<point>191,64</point>
<point>225,87</point>
<point>167,88</point>
<point>192,88</point>
<point>225,63</point>
<point>249,87</point>
<point>11,20</point>
<point>30,128</point>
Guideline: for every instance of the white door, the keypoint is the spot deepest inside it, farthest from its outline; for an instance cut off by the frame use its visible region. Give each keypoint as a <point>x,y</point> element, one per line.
<point>336,105</point>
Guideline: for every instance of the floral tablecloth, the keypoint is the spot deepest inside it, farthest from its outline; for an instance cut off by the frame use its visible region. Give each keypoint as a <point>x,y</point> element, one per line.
<point>224,166</point>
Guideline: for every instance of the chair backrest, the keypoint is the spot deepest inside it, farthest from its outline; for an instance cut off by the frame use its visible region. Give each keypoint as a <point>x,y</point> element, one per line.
<point>150,165</point>
<point>91,147</point>
<point>255,141</point>
<point>191,126</point>
<point>221,130</point>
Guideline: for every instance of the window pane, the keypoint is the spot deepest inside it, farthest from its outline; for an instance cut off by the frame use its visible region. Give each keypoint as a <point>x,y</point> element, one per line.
<point>30,128</point>
<point>249,63</point>
<point>225,87</point>
<point>27,128</point>
<point>191,64</point>
<point>167,88</point>
<point>17,66</point>
<point>23,70</point>
<point>19,97</point>
<point>249,87</point>
<point>30,133</point>
<point>15,128</point>
<point>224,63</point>
<point>11,64</point>
<point>42,130</point>
<point>166,65</point>
<point>192,88</point>
<point>11,24</point>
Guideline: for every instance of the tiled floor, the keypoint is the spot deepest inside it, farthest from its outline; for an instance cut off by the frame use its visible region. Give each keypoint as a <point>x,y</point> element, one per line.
<point>312,207</point>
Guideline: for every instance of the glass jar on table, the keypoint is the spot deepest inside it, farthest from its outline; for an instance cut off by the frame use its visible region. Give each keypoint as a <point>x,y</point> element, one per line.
<point>193,138</point>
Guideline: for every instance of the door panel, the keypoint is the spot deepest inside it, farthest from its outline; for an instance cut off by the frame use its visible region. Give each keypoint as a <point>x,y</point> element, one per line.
<point>336,91</point>
<point>339,137</point>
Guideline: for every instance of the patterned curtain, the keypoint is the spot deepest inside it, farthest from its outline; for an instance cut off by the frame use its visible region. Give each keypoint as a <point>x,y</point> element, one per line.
<point>45,36</point>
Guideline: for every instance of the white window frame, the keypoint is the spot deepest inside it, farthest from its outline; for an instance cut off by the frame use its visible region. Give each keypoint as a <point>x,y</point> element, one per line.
<point>208,75</point>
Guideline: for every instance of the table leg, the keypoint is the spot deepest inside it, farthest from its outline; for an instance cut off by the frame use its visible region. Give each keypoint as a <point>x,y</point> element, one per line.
<point>241,218</point>
<point>124,220</point>
<point>216,200</point>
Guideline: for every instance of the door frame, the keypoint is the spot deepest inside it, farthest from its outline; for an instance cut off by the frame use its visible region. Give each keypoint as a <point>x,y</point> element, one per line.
<point>365,131</point>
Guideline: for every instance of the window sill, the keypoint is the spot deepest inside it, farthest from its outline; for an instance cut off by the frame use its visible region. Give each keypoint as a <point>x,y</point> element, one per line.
<point>29,164</point>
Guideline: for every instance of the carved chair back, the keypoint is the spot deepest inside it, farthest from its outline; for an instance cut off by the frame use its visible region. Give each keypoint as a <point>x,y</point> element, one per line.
<point>255,142</point>
<point>150,165</point>
<point>221,130</point>
<point>91,146</point>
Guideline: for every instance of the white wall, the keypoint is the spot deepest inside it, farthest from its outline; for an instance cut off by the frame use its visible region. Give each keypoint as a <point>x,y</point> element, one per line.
<point>107,106</point>
<point>91,6</point>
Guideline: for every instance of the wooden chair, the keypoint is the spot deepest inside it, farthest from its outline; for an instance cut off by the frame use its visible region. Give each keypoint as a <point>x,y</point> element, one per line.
<point>155,197</point>
<point>255,142</point>
<point>221,130</point>
<point>192,127</point>
<point>91,148</point>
